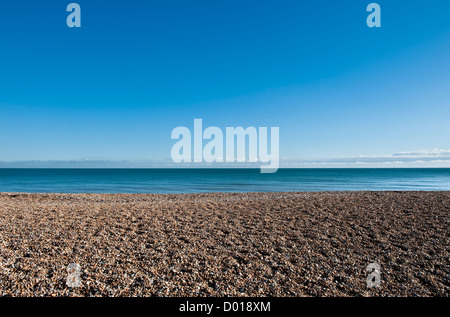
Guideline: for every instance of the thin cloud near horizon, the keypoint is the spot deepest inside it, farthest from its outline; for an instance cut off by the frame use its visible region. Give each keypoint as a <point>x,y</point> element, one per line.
<point>418,158</point>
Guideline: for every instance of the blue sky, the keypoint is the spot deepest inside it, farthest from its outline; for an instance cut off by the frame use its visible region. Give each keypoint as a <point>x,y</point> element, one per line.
<point>115,88</point>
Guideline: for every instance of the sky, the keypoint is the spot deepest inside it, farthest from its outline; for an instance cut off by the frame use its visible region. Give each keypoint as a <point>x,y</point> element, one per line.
<point>114,89</point>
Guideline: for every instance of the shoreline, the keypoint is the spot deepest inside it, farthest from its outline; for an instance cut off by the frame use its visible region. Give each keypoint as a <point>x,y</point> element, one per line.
<point>225,244</point>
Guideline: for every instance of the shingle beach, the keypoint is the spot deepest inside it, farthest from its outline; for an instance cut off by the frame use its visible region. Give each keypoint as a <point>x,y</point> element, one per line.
<point>243,244</point>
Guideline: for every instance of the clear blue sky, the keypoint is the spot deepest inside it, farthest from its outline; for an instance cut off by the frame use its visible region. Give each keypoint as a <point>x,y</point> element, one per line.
<point>115,88</point>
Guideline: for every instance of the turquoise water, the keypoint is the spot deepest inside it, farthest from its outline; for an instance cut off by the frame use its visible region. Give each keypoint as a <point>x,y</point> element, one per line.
<point>219,180</point>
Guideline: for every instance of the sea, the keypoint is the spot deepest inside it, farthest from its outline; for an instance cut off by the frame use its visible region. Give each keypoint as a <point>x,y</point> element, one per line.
<point>202,180</point>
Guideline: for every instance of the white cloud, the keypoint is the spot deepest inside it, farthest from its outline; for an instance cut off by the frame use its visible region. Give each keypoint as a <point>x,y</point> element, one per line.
<point>424,153</point>
<point>419,158</point>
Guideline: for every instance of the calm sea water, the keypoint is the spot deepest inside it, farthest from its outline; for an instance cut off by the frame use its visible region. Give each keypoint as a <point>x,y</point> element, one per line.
<point>219,180</point>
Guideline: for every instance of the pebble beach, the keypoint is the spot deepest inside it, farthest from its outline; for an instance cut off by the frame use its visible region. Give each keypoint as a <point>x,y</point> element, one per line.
<point>225,244</point>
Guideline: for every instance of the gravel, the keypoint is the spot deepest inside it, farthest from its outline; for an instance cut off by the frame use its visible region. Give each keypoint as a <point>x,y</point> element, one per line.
<point>224,244</point>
